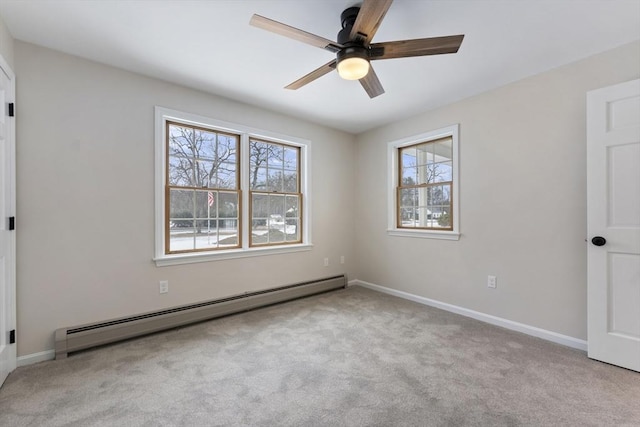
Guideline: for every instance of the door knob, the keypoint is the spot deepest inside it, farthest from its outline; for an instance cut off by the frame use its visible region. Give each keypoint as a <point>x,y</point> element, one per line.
<point>599,241</point>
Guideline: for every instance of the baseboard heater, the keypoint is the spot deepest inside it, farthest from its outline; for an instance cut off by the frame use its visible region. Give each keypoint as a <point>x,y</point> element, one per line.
<point>95,334</point>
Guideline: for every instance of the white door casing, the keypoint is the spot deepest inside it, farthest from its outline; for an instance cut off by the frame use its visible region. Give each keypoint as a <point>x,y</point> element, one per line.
<point>7,209</point>
<point>613,213</point>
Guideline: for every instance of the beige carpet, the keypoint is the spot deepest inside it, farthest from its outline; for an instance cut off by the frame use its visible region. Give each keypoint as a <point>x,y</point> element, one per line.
<point>352,357</point>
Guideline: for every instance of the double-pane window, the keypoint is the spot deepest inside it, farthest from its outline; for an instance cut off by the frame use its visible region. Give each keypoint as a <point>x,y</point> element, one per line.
<point>225,190</point>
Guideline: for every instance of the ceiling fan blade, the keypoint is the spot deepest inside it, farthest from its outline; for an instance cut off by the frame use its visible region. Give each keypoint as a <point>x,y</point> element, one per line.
<point>294,33</point>
<point>315,74</point>
<point>415,47</point>
<point>372,84</point>
<point>369,18</point>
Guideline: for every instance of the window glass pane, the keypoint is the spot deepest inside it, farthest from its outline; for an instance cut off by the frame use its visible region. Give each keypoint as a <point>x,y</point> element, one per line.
<point>291,158</point>
<point>181,220</point>
<point>227,148</point>
<point>276,236</point>
<point>181,171</point>
<point>202,208</point>
<point>292,218</point>
<point>204,143</point>
<point>443,150</point>
<point>440,206</point>
<point>276,209</point>
<point>260,206</point>
<point>181,239</point>
<point>408,197</point>
<point>407,217</point>
<point>258,178</point>
<point>408,156</point>
<point>422,196</point>
<point>228,233</point>
<point>290,182</point>
<point>292,230</point>
<point>410,176</point>
<point>260,219</point>
<point>440,194</point>
<point>275,182</point>
<point>275,156</point>
<point>226,176</point>
<point>424,154</point>
<point>181,209</point>
<point>259,233</point>
<point>227,205</point>
<point>207,238</point>
<point>424,174</point>
<point>258,153</point>
<point>205,174</point>
<point>192,143</point>
<point>423,217</point>
<point>292,206</point>
<point>212,175</point>
<point>440,172</point>
<point>180,141</point>
<point>268,222</point>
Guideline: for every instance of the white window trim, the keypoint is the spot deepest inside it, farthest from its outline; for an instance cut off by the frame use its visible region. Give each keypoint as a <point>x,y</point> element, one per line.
<point>392,174</point>
<point>161,259</point>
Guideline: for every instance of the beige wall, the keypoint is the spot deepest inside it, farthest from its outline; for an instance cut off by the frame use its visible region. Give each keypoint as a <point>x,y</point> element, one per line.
<point>523,200</point>
<point>85,159</point>
<point>6,43</point>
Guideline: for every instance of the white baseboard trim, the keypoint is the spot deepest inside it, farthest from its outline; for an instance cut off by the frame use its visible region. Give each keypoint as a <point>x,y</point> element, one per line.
<point>30,359</point>
<point>487,318</point>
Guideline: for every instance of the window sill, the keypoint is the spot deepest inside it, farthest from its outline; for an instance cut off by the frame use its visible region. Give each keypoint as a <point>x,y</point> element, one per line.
<point>422,234</point>
<point>178,259</point>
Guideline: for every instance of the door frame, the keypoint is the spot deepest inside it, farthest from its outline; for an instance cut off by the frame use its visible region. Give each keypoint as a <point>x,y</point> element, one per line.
<point>10,209</point>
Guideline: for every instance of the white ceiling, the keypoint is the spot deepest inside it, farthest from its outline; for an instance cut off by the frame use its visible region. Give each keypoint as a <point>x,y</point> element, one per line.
<point>209,45</point>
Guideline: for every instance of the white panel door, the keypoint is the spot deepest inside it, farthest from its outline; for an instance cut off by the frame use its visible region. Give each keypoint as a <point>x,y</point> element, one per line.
<point>613,212</point>
<point>7,237</point>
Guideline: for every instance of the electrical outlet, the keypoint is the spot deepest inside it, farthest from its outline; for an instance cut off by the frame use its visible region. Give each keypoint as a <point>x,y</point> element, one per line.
<point>342,259</point>
<point>163,286</point>
<point>326,262</point>
<point>492,282</point>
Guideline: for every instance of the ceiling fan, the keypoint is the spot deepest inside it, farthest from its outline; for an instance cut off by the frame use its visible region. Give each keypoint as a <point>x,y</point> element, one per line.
<point>354,49</point>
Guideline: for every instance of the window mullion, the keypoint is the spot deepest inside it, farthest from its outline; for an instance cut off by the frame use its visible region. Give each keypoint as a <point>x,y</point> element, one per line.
<point>245,193</point>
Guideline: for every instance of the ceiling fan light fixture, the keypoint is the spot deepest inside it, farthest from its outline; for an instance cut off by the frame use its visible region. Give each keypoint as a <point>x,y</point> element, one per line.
<point>353,63</point>
<point>353,68</point>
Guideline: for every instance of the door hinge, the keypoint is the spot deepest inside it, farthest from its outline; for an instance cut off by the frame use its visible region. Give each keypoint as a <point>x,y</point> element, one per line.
<point>12,336</point>
<point>11,112</point>
<point>12,223</point>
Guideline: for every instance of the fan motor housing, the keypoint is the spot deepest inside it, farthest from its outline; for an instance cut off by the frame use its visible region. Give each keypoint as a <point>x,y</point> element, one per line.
<point>353,51</point>
<point>348,18</point>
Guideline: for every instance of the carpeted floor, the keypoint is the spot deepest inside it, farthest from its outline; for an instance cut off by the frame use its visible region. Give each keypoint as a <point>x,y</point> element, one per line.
<point>352,357</point>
